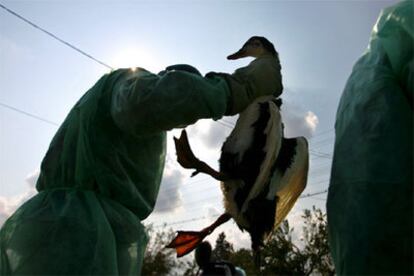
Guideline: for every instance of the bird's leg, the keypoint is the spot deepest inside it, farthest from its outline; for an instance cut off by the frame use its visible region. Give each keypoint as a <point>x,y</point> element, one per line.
<point>221,219</point>
<point>187,241</point>
<point>187,159</point>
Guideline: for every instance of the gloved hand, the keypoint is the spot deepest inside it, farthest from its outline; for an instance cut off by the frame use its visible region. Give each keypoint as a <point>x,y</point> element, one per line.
<point>260,78</point>
<point>180,67</point>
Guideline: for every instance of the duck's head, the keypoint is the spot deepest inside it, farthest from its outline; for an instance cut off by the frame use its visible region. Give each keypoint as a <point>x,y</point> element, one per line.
<point>256,46</point>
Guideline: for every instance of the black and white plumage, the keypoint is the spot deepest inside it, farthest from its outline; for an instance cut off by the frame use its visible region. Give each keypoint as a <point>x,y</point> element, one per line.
<point>267,171</point>
<point>262,173</point>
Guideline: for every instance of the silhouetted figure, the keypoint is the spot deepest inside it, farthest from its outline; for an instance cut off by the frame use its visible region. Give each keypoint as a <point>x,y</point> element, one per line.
<point>370,200</point>
<point>210,267</point>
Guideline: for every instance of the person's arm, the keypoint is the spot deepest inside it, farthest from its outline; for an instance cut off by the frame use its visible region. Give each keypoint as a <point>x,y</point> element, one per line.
<point>144,103</point>
<point>261,77</point>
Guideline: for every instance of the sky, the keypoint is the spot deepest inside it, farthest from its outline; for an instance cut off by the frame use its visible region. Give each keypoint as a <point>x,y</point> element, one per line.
<point>318,43</point>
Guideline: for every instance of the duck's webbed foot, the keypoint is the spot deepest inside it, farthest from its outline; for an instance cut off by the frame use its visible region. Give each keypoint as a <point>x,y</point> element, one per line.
<point>187,241</point>
<point>187,159</point>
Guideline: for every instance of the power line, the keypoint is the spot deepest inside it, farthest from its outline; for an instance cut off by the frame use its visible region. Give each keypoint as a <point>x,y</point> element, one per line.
<point>322,133</point>
<point>321,169</point>
<point>204,217</point>
<point>321,142</point>
<point>180,222</point>
<point>28,114</point>
<point>320,154</point>
<point>224,124</point>
<point>316,154</point>
<point>313,194</point>
<point>54,36</point>
<point>318,198</point>
<point>214,197</point>
<point>228,122</point>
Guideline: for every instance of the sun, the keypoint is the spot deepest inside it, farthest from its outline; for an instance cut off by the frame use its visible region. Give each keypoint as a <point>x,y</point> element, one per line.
<point>134,57</point>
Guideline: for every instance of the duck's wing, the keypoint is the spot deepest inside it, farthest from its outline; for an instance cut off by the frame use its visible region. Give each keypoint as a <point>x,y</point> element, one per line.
<point>274,135</point>
<point>290,176</point>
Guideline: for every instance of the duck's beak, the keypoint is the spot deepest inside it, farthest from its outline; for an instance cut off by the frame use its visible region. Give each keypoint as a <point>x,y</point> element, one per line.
<point>239,54</point>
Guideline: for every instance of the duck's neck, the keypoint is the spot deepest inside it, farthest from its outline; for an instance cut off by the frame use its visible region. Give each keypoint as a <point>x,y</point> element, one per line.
<point>265,55</point>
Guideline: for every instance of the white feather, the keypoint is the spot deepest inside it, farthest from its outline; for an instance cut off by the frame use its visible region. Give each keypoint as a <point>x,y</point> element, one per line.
<point>274,134</point>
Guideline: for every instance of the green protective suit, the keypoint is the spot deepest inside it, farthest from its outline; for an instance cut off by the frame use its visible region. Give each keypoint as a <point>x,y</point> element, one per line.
<point>102,172</point>
<point>370,200</point>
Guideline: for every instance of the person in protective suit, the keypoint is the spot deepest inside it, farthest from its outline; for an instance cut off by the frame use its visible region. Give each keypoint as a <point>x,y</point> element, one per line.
<point>102,172</point>
<point>370,200</point>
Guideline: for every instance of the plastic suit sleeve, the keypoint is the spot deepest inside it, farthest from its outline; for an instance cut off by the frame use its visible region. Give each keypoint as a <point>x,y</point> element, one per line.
<point>144,103</point>
<point>395,34</point>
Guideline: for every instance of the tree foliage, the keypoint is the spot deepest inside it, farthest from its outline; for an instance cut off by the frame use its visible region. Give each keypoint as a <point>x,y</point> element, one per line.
<point>280,255</point>
<point>223,249</point>
<point>159,260</point>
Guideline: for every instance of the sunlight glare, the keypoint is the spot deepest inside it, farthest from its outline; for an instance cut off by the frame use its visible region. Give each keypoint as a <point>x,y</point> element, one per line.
<point>134,57</point>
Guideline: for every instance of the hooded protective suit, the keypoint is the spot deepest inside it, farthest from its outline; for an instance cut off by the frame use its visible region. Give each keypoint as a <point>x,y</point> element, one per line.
<point>102,172</point>
<point>370,200</point>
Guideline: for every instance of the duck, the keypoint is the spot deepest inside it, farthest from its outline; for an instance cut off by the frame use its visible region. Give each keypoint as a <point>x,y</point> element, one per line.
<point>261,173</point>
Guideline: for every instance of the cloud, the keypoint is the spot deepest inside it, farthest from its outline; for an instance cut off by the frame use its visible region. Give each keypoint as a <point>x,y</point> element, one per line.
<point>214,133</point>
<point>205,139</point>
<point>298,121</point>
<point>212,211</point>
<point>9,204</point>
<point>209,135</point>
<point>169,197</point>
<point>238,238</point>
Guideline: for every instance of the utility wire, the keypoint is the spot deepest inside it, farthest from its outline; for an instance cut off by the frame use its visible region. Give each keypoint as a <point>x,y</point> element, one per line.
<point>321,142</point>
<point>28,114</point>
<point>316,154</point>
<point>323,133</point>
<point>204,217</point>
<point>215,197</point>
<point>224,124</point>
<point>313,194</point>
<point>318,198</point>
<point>180,222</point>
<point>228,122</point>
<point>54,36</point>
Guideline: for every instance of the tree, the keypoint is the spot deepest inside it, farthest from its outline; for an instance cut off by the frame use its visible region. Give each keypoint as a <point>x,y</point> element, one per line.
<point>316,242</point>
<point>223,249</point>
<point>281,255</point>
<point>159,260</point>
